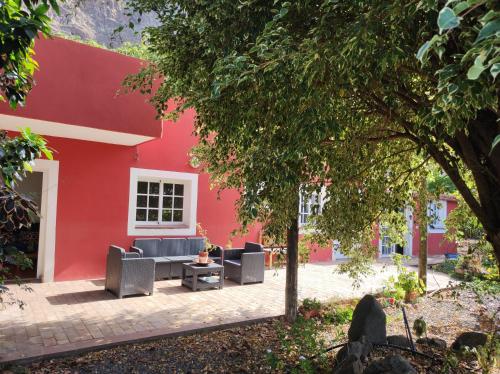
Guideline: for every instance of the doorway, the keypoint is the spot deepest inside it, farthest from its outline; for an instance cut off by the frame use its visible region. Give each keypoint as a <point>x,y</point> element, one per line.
<point>27,239</point>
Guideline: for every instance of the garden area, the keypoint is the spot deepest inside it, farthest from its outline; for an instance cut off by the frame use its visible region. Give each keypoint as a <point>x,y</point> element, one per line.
<point>303,347</point>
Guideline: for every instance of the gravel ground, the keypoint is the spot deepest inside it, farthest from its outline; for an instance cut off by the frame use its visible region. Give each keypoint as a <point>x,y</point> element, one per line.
<point>243,349</point>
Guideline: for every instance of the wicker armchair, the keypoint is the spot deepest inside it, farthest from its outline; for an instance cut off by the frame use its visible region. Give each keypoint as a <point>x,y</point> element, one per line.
<point>245,265</point>
<point>128,274</point>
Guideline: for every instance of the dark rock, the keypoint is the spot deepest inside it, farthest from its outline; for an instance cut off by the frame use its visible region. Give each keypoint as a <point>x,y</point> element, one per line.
<point>399,340</point>
<point>360,350</point>
<point>369,320</point>
<point>396,364</point>
<point>351,365</point>
<point>433,342</point>
<point>469,339</point>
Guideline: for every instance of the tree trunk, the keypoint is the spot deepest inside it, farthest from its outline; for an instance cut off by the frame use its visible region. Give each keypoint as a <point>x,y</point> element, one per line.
<point>473,147</point>
<point>422,253</point>
<point>292,267</point>
<point>422,224</point>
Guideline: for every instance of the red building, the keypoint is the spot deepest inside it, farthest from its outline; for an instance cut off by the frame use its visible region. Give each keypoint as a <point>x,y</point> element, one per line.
<point>118,172</point>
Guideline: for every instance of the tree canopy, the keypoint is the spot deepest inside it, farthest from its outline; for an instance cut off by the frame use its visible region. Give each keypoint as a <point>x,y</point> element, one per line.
<point>332,92</point>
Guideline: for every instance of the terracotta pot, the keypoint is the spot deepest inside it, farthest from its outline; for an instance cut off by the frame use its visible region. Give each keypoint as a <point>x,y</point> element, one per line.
<point>203,257</point>
<point>411,296</point>
<point>312,313</point>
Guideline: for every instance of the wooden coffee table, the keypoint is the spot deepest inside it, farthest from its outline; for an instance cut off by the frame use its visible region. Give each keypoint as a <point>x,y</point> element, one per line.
<point>199,277</point>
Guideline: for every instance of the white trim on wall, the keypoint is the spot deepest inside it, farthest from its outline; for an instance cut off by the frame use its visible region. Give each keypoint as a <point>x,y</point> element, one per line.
<point>65,130</point>
<point>48,215</point>
<point>190,181</point>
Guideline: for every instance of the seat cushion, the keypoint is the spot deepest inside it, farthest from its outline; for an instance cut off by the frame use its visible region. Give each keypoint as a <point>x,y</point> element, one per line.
<point>233,262</point>
<point>173,247</point>
<point>181,258</point>
<point>149,246</point>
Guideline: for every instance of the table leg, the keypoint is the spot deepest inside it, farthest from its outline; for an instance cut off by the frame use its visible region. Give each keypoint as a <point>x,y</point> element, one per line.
<point>195,280</point>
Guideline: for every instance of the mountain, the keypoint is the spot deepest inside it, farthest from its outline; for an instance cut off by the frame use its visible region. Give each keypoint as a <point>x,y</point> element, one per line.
<point>97,20</point>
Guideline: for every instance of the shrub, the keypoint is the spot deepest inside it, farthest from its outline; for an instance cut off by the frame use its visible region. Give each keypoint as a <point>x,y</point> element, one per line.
<point>341,315</point>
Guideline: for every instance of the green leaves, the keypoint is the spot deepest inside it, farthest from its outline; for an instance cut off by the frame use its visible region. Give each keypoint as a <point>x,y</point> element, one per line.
<point>20,23</point>
<point>488,30</point>
<point>475,70</point>
<point>495,69</point>
<point>447,19</point>
<point>496,142</point>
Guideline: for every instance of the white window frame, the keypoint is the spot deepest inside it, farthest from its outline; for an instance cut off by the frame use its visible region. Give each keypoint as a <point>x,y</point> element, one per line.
<point>144,228</point>
<point>321,200</point>
<point>442,208</point>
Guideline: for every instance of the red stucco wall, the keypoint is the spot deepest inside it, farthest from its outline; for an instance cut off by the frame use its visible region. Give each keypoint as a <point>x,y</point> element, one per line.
<point>77,84</point>
<point>93,197</point>
<point>436,243</point>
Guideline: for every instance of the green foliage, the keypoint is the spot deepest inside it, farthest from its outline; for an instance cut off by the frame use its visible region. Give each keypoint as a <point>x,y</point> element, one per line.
<point>16,158</point>
<point>311,304</point>
<point>20,23</point>
<point>340,315</point>
<point>301,340</point>
<point>420,327</point>
<point>447,267</point>
<point>136,50</point>
<point>328,95</point>
<point>405,282</point>
<point>17,155</point>
<point>487,355</point>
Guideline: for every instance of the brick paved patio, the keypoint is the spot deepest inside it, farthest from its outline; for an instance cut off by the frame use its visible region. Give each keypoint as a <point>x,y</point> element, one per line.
<point>65,316</point>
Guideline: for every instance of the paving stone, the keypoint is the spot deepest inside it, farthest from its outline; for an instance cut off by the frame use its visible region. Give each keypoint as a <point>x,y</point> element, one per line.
<point>60,316</point>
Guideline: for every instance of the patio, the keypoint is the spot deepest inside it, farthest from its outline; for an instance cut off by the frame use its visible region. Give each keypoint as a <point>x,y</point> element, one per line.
<point>65,316</point>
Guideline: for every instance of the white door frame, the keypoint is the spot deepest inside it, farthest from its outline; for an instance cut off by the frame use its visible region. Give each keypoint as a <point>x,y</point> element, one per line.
<point>48,212</point>
<point>408,249</point>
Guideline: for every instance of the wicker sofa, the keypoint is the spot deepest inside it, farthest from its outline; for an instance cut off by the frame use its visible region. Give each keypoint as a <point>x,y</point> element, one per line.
<point>128,274</point>
<point>170,253</point>
<point>245,265</point>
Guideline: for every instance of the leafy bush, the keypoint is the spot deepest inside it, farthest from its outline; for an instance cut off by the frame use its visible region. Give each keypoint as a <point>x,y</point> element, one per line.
<point>447,267</point>
<point>298,342</point>
<point>311,304</point>
<point>405,282</point>
<point>341,315</point>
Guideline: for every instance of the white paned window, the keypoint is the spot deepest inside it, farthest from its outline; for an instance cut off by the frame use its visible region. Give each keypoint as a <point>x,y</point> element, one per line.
<point>309,206</point>
<point>436,212</point>
<point>162,202</point>
<point>159,202</point>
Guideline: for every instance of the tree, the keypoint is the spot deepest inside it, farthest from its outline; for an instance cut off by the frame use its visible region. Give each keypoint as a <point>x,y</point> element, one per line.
<point>322,94</point>
<point>20,23</point>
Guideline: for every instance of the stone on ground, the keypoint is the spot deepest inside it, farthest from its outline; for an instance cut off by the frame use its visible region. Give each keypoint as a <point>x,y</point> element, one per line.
<point>433,342</point>
<point>469,339</point>
<point>396,364</point>
<point>368,320</point>
<point>351,365</point>
<point>360,350</point>
<point>399,340</point>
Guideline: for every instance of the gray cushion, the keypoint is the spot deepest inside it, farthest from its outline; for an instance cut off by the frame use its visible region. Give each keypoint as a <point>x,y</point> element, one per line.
<point>233,262</point>
<point>195,245</point>
<point>173,247</point>
<point>182,258</point>
<point>149,246</point>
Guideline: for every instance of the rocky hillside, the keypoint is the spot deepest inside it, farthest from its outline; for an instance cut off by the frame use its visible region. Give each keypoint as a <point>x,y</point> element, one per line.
<point>97,20</point>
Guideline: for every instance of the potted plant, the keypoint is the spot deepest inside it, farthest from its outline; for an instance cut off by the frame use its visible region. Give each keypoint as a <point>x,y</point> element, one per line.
<point>310,308</point>
<point>406,284</point>
<point>203,253</point>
